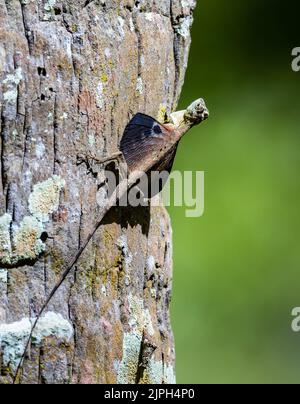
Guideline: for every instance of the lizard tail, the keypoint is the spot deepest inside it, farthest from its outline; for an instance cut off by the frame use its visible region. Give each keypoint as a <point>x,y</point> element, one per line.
<point>45,305</point>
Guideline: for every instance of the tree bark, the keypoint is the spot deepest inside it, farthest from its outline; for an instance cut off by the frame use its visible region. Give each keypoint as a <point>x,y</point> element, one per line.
<point>72,73</point>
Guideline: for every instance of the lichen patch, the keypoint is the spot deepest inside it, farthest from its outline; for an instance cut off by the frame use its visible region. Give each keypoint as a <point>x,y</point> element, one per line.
<point>148,323</point>
<point>100,95</point>
<point>188,3</point>
<point>15,78</point>
<point>3,275</point>
<point>153,374</point>
<point>184,26</point>
<point>11,82</point>
<point>13,337</point>
<point>158,372</point>
<point>5,241</point>
<point>20,243</point>
<point>139,321</point>
<point>23,242</point>
<point>27,240</point>
<point>44,199</point>
<point>140,85</point>
<point>169,374</point>
<point>127,255</point>
<point>130,360</point>
<point>151,263</point>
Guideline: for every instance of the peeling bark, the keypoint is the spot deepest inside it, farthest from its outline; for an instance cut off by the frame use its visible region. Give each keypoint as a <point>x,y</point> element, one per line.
<point>72,73</point>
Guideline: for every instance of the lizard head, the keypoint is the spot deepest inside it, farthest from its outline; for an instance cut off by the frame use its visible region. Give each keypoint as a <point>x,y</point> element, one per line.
<point>196,113</point>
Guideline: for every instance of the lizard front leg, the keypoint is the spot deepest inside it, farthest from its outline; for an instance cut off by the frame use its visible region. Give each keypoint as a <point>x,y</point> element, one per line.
<point>117,157</point>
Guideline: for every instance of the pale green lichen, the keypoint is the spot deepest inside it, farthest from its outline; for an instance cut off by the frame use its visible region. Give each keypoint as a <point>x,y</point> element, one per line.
<point>153,374</point>
<point>13,337</point>
<point>107,52</point>
<point>91,140</point>
<point>100,95</point>
<point>169,374</point>
<point>40,150</point>
<point>139,321</point>
<point>130,359</point>
<point>26,243</point>
<point>3,275</point>
<point>12,342</point>
<point>149,16</point>
<point>27,240</point>
<point>132,341</point>
<point>15,78</point>
<point>127,255</point>
<point>52,324</point>
<point>140,317</point>
<point>49,10</point>
<point>12,81</point>
<point>131,25</point>
<point>188,3</point>
<point>140,85</point>
<point>49,5</point>
<point>120,26</point>
<point>151,263</point>
<point>136,318</point>
<point>10,95</point>
<point>23,242</point>
<point>157,372</point>
<point>14,134</point>
<point>184,26</point>
<point>148,322</point>
<point>44,199</point>
<point>5,241</point>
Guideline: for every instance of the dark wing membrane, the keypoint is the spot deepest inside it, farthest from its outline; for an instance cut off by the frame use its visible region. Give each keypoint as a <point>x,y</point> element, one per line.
<point>142,120</point>
<point>167,162</point>
<point>156,182</point>
<point>142,136</point>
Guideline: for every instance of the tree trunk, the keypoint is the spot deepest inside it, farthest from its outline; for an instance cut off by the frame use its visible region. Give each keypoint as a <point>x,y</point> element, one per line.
<point>72,73</point>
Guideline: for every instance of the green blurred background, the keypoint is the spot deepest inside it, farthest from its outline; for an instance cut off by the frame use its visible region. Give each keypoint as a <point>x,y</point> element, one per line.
<point>236,272</point>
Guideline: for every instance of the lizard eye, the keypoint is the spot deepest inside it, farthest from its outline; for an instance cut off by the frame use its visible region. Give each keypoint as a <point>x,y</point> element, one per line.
<point>157,130</point>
